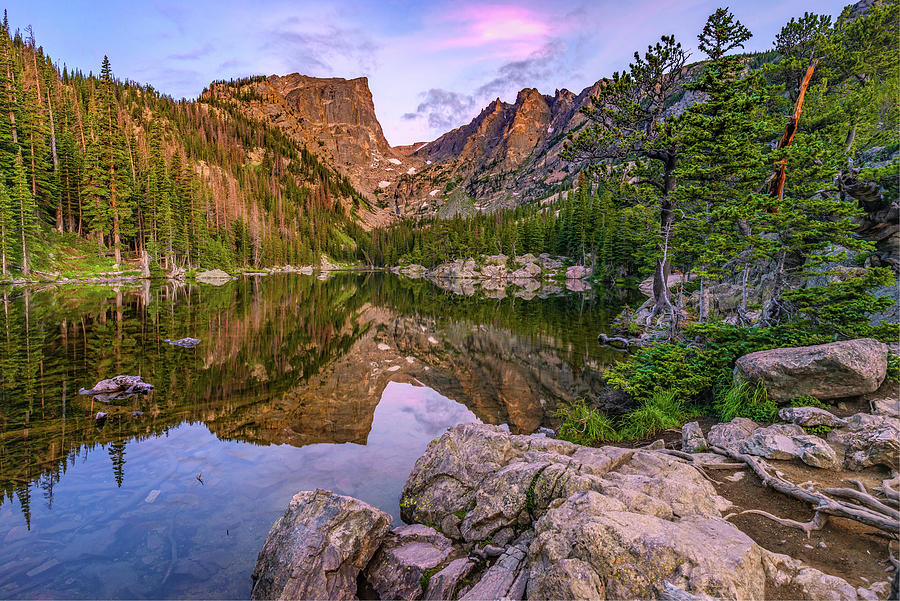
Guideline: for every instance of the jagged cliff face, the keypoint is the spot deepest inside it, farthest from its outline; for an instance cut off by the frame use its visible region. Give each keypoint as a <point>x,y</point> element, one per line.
<point>335,119</point>
<point>507,155</point>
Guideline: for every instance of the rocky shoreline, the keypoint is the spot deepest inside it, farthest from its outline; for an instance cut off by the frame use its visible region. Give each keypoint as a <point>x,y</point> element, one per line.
<point>492,515</point>
<point>530,276</point>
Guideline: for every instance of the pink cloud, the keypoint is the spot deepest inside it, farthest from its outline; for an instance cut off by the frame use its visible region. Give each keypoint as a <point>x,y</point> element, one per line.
<point>519,29</point>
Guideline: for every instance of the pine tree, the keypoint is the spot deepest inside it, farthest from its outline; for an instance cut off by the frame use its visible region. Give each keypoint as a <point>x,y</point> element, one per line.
<point>723,162</point>
<point>7,220</point>
<point>25,206</point>
<point>628,126</point>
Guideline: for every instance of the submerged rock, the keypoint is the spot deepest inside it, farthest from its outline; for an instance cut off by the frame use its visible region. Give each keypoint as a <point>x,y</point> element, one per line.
<point>117,388</point>
<point>826,371</point>
<point>184,342</point>
<point>317,549</point>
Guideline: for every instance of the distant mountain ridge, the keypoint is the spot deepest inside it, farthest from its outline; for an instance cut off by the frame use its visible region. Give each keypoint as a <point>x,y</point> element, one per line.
<point>506,155</point>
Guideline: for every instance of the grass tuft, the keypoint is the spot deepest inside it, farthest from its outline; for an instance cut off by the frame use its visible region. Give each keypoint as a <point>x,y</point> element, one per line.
<point>744,399</point>
<point>585,425</point>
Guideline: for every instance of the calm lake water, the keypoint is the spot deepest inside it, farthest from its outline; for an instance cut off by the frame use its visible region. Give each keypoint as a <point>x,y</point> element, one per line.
<point>298,383</point>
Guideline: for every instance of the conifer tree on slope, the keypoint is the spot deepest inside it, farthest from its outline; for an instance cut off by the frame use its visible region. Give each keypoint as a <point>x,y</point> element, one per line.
<point>26,208</point>
<point>628,131</point>
<point>723,160</point>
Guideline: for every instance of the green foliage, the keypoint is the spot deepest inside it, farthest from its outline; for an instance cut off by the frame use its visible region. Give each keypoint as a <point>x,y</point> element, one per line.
<point>743,399</point>
<point>530,504</point>
<point>807,401</point>
<point>585,425</point>
<point>893,367</point>
<point>844,308</point>
<point>425,578</point>
<point>685,371</point>
<point>663,411</point>
<point>820,431</point>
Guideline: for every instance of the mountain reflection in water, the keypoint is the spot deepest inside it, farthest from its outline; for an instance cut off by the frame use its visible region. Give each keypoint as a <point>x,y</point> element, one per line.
<point>298,383</point>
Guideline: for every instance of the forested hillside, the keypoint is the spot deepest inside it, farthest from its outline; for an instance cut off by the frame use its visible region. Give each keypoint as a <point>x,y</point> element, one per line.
<point>88,157</point>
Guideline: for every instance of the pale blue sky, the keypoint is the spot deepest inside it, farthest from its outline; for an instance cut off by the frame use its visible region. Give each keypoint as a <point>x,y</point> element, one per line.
<point>431,66</point>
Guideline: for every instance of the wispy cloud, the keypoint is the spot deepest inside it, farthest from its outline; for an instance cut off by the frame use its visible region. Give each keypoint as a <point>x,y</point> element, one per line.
<point>442,109</point>
<point>319,50</point>
<point>516,75</point>
<point>192,55</point>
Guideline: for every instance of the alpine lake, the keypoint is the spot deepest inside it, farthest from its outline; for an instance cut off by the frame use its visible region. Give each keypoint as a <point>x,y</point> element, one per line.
<point>299,382</point>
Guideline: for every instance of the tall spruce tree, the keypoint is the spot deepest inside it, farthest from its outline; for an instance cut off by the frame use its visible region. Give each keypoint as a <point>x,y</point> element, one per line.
<point>723,160</point>
<point>26,209</point>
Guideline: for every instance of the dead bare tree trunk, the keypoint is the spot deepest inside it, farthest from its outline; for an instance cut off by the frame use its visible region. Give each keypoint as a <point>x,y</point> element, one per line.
<point>776,186</point>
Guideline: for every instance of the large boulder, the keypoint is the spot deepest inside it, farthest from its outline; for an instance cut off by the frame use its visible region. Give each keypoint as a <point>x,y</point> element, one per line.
<point>528,271</point>
<point>588,547</point>
<point>493,272</point>
<point>578,272</point>
<point>317,549</point>
<point>826,371</point>
<point>406,554</point>
<point>573,522</point>
<point>477,481</point>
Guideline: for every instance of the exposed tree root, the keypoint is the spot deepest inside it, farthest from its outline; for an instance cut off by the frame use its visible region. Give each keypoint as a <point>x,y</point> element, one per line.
<point>821,502</point>
<point>816,523</point>
<point>863,498</point>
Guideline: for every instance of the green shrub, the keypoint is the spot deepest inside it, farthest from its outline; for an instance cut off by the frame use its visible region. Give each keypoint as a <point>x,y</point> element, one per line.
<point>807,401</point>
<point>663,411</point>
<point>684,371</point>
<point>893,367</point>
<point>844,308</point>
<point>820,431</point>
<point>696,371</point>
<point>585,425</point>
<point>744,399</point>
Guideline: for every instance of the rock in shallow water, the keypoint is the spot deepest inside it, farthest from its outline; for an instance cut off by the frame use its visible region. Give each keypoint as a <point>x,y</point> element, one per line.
<point>318,547</point>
